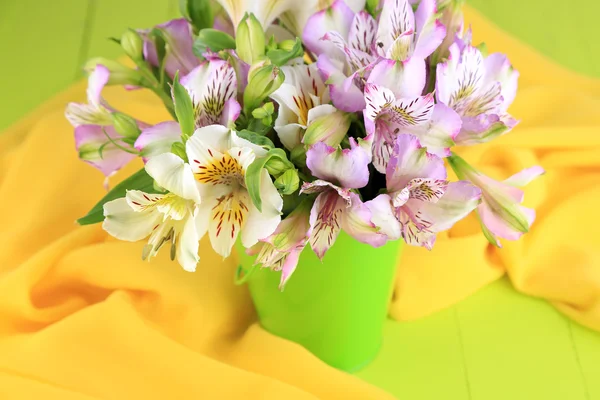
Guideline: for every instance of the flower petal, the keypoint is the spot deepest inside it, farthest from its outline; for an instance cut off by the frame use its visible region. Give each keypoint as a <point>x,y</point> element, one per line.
<point>173,174</point>
<point>403,78</point>
<point>210,85</point>
<point>525,176</point>
<point>498,69</point>
<point>459,199</point>
<point>178,37</point>
<point>231,111</point>
<point>336,18</point>
<point>122,222</point>
<point>430,31</point>
<point>439,134</point>
<point>325,220</point>
<point>95,148</point>
<point>383,216</point>
<point>410,160</point>
<point>362,32</point>
<point>227,217</point>
<point>356,221</point>
<point>396,18</point>
<point>187,245</point>
<point>347,167</point>
<point>158,139</point>
<point>481,129</point>
<point>356,58</point>
<point>96,82</point>
<point>344,97</point>
<point>289,266</point>
<point>262,224</point>
<point>207,143</point>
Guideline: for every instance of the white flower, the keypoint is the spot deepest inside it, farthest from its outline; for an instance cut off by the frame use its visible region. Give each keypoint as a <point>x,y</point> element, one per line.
<point>219,159</point>
<point>170,217</point>
<point>302,98</point>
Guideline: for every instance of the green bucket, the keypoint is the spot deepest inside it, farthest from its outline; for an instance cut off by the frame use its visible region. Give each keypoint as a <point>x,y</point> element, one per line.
<point>336,308</point>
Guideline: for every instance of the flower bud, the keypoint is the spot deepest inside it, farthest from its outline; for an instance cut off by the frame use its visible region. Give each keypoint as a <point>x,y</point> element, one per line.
<point>276,166</point>
<point>329,128</point>
<point>125,125</point>
<point>288,182</point>
<point>298,156</point>
<point>250,40</point>
<point>132,45</point>
<point>287,45</point>
<point>119,74</point>
<point>261,83</point>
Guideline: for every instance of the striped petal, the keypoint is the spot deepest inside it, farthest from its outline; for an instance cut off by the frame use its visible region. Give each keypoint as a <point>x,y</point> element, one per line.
<point>211,85</point>
<point>396,18</point>
<point>325,220</point>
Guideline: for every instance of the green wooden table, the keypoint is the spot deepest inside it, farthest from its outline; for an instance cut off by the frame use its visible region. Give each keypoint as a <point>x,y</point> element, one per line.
<point>497,344</point>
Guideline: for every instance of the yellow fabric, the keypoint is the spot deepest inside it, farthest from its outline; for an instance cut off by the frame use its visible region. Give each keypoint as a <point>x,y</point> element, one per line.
<point>82,316</point>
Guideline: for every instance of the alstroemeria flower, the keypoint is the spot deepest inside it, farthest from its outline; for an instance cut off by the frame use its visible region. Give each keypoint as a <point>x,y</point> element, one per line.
<point>336,209</point>
<point>213,89</point>
<point>400,37</point>
<point>420,197</point>
<point>219,160</point>
<point>501,213</point>
<point>281,250</point>
<point>436,125</point>
<point>480,90</point>
<point>179,42</point>
<point>337,206</point>
<point>96,112</point>
<point>96,140</point>
<point>302,98</point>
<point>166,218</point>
<point>95,148</point>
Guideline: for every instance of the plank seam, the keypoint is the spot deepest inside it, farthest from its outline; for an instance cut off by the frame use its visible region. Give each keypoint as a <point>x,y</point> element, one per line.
<point>578,361</point>
<point>461,344</point>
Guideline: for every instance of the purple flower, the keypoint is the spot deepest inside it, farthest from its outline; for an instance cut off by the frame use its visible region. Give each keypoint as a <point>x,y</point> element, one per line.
<point>179,42</point>
<point>479,89</point>
<point>420,199</point>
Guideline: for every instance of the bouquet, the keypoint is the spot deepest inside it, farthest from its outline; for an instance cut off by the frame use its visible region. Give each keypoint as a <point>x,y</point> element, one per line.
<point>292,121</point>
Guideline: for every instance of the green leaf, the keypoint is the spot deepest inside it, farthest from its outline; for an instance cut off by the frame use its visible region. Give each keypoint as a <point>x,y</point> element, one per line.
<point>138,181</point>
<point>183,107</point>
<point>256,138</point>
<point>254,174</point>
<point>214,40</point>
<point>280,57</point>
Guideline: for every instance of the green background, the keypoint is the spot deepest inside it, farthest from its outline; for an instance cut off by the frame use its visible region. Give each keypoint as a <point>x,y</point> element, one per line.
<point>497,344</point>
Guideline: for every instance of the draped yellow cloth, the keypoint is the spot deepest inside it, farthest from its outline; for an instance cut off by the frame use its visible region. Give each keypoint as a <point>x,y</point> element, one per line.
<point>82,316</point>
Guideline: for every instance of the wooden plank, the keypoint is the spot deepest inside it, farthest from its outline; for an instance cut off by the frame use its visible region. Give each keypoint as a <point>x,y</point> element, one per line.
<point>518,347</point>
<point>40,46</point>
<point>586,345</point>
<point>421,359</point>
